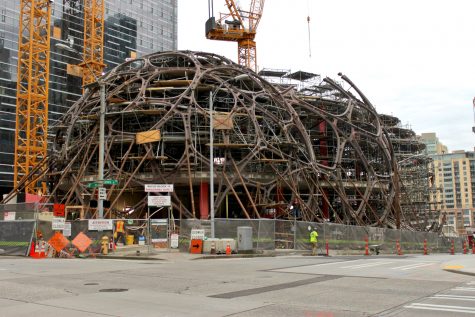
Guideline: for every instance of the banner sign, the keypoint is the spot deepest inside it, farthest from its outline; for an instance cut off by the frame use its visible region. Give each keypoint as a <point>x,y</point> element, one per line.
<point>9,215</point>
<point>67,229</point>
<point>159,188</point>
<point>99,224</point>
<point>159,201</point>
<point>57,223</point>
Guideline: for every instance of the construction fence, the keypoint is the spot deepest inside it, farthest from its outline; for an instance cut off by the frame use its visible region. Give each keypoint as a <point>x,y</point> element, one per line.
<point>23,226</point>
<point>269,234</point>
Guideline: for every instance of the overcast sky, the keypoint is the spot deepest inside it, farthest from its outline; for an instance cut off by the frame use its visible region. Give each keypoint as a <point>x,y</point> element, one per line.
<point>414,59</point>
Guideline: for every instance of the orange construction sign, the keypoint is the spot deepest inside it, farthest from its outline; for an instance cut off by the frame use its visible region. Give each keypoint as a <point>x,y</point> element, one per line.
<point>196,246</point>
<point>82,242</point>
<point>58,242</point>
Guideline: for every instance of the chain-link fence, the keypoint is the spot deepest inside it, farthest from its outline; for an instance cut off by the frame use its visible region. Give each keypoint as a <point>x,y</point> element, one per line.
<point>25,225</point>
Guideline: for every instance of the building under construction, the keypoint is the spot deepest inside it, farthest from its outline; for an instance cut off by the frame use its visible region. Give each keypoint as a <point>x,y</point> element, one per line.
<point>317,152</point>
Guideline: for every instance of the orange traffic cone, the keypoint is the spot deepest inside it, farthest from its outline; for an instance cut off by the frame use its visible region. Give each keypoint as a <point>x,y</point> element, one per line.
<point>32,250</point>
<point>228,249</point>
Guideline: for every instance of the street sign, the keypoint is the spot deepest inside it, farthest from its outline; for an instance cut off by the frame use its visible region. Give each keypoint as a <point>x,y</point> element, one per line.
<point>159,188</point>
<point>93,185</point>
<point>111,182</point>
<point>159,201</point>
<point>102,193</point>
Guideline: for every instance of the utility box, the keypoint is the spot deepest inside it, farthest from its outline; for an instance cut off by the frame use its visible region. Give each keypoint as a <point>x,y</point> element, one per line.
<point>244,238</point>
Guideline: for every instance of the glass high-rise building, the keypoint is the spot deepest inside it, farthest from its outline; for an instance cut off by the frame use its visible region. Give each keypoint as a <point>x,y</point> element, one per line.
<point>131,28</point>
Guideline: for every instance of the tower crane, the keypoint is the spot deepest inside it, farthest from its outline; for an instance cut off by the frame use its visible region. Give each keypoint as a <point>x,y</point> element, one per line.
<point>237,26</point>
<point>31,131</point>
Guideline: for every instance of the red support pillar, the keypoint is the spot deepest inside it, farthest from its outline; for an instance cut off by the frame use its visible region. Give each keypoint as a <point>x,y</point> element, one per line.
<point>204,200</point>
<point>452,248</point>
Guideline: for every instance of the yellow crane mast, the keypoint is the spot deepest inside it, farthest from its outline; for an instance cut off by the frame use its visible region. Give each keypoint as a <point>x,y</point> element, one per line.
<point>32,91</point>
<point>93,52</point>
<point>238,26</point>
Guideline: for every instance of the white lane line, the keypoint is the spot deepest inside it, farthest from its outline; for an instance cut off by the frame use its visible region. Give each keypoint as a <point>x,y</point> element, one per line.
<point>314,265</point>
<point>331,263</point>
<point>359,266</point>
<point>411,266</point>
<point>465,289</point>
<point>455,297</point>
<point>456,309</point>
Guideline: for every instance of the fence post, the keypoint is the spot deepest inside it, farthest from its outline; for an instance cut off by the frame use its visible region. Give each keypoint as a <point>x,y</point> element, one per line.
<point>425,246</point>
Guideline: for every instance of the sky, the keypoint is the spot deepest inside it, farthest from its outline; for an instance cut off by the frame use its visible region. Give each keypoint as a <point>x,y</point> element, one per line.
<point>414,59</point>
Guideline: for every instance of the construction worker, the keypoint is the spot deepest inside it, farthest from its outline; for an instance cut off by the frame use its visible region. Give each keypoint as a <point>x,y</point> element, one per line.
<point>313,240</point>
<point>120,230</point>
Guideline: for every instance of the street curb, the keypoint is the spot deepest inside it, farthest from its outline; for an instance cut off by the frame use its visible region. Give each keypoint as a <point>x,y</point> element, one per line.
<point>235,256</point>
<point>460,272</point>
<point>117,257</point>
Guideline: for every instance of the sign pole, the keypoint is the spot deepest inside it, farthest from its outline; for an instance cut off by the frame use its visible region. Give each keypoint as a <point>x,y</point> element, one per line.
<point>148,225</point>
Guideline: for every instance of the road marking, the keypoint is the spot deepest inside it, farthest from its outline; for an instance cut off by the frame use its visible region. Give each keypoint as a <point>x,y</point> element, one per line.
<point>466,289</point>
<point>411,266</point>
<point>321,264</point>
<point>358,266</point>
<point>456,297</point>
<point>453,267</point>
<point>457,309</point>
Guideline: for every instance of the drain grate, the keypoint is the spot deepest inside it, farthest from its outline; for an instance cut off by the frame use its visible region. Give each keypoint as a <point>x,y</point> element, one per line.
<point>113,290</point>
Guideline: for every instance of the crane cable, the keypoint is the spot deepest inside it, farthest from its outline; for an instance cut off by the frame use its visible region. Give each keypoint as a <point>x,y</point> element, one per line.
<point>308,25</point>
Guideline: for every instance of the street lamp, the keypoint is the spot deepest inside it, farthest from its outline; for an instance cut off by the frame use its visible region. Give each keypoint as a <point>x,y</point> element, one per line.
<point>211,148</point>
<point>102,111</point>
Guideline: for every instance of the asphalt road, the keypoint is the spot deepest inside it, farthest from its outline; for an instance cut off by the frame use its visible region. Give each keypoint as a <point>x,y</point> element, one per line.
<point>274,286</point>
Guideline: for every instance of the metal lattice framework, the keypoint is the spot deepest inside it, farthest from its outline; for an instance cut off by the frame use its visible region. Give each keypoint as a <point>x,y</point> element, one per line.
<point>327,157</point>
<point>32,91</point>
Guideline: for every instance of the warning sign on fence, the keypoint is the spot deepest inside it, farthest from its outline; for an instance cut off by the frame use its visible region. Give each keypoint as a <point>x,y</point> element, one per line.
<point>81,242</point>
<point>99,224</point>
<point>58,242</point>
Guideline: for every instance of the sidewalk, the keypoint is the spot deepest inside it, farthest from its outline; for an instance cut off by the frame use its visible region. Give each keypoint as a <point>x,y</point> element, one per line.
<point>141,252</point>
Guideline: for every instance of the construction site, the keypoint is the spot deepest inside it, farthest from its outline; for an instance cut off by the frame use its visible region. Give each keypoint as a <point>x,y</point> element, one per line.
<point>230,142</point>
<point>322,150</point>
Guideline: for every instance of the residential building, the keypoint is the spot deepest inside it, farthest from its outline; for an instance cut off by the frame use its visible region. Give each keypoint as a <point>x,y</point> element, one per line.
<point>433,145</point>
<point>132,28</point>
<point>454,179</point>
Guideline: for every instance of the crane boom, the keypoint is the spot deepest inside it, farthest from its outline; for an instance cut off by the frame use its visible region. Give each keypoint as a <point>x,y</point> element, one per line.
<point>31,130</point>
<point>241,29</point>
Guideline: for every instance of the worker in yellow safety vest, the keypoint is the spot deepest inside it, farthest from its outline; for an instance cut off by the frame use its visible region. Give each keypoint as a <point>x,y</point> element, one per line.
<point>120,231</point>
<point>313,240</point>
